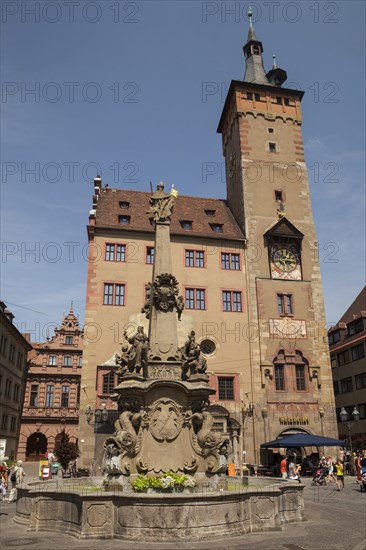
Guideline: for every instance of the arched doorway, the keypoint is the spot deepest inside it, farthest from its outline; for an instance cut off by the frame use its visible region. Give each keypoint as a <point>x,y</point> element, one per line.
<point>36,446</point>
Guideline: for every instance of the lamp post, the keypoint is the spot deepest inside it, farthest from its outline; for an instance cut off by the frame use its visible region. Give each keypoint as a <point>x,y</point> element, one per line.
<point>349,423</point>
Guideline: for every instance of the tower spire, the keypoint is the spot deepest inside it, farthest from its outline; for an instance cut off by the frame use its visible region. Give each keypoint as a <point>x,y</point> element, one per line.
<point>253,50</point>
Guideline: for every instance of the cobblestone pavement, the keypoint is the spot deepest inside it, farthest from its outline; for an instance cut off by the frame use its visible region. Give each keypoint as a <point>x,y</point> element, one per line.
<point>334,520</point>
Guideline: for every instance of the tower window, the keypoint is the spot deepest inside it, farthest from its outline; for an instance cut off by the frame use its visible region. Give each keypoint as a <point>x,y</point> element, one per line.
<point>270,130</point>
<point>279,100</point>
<point>272,147</point>
<point>300,378</point>
<point>279,377</point>
<point>287,101</point>
<point>284,304</point>
<point>249,95</point>
<point>257,97</point>
<point>256,50</point>
<point>248,52</point>
<point>278,195</point>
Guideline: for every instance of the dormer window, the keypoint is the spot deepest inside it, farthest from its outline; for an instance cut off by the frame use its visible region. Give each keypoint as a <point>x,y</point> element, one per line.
<point>124,220</point>
<point>210,213</point>
<point>217,227</point>
<point>124,204</point>
<point>69,340</point>
<point>186,225</point>
<point>355,327</point>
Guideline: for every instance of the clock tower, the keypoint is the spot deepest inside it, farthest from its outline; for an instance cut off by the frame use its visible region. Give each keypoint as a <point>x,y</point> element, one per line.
<point>268,193</point>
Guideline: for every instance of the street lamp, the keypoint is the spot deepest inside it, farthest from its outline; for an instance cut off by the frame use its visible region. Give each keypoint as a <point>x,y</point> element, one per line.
<point>100,414</point>
<point>349,423</point>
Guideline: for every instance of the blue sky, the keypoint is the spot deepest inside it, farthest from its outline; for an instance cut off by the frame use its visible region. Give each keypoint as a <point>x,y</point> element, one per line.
<point>137,88</point>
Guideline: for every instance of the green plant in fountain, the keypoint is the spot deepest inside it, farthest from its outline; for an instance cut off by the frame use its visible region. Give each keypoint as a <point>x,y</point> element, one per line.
<point>165,482</point>
<point>141,483</point>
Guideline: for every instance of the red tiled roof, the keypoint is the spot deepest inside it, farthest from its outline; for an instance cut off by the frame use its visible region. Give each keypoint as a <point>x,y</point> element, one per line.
<point>185,208</point>
<point>357,306</point>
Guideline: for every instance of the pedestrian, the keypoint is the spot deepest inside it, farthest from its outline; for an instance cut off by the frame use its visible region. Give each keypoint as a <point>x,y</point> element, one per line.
<point>283,467</point>
<point>16,478</point>
<point>329,464</point>
<point>294,471</point>
<point>340,475</point>
<point>3,477</point>
<point>358,466</point>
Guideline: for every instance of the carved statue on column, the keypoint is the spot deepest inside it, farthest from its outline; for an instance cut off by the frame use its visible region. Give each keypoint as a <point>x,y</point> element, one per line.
<point>161,204</point>
<point>135,357</point>
<point>193,360</point>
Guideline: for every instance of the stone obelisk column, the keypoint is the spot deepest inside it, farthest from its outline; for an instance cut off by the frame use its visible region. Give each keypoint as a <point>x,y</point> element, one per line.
<point>164,300</point>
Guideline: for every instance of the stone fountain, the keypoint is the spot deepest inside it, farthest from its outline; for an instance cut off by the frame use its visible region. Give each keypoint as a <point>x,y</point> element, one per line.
<point>163,423</point>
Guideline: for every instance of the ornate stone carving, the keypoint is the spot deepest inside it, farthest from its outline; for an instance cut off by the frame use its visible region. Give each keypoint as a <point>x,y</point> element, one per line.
<point>164,372</point>
<point>193,360</point>
<point>126,440</point>
<point>164,295</point>
<point>134,358</point>
<point>166,420</point>
<point>147,305</point>
<point>161,205</point>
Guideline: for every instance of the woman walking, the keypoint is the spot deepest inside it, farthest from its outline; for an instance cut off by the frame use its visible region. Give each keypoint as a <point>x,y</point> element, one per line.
<point>16,478</point>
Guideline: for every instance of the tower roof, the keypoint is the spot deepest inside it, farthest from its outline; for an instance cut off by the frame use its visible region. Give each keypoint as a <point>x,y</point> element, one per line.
<point>254,70</point>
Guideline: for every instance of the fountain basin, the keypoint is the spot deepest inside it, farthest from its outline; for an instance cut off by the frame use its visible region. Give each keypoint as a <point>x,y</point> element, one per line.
<point>158,517</point>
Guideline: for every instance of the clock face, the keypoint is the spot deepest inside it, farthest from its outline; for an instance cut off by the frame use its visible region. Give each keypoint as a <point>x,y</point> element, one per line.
<point>285,263</point>
<point>285,260</point>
